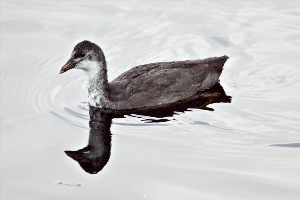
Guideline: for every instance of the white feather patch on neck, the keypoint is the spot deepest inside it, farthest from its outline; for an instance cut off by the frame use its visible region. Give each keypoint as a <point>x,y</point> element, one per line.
<point>93,71</point>
<point>91,68</point>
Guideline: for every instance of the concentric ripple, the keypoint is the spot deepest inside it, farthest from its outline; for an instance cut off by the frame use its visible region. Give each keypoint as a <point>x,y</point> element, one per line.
<point>63,96</point>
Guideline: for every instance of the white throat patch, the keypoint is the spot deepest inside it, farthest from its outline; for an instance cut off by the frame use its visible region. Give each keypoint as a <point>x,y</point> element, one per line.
<point>93,71</point>
<point>91,68</point>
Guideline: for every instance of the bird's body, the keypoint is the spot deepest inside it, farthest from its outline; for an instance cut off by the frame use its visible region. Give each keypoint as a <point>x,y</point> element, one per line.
<point>147,86</point>
<point>165,83</point>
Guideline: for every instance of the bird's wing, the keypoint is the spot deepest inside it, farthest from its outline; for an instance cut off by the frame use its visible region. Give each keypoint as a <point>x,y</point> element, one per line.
<point>165,82</point>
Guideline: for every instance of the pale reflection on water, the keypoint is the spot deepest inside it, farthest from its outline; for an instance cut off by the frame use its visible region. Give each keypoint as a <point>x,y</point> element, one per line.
<point>243,150</point>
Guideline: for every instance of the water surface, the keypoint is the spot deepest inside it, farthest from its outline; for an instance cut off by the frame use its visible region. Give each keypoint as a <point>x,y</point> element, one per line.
<point>248,149</point>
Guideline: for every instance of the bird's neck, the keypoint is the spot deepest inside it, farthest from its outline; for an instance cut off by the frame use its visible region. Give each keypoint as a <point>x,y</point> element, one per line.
<point>98,84</point>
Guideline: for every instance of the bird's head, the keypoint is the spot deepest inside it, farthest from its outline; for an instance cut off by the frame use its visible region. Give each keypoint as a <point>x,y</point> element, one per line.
<point>84,56</point>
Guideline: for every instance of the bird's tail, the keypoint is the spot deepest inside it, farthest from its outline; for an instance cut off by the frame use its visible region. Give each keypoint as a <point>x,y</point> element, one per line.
<point>214,68</point>
<point>216,63</point>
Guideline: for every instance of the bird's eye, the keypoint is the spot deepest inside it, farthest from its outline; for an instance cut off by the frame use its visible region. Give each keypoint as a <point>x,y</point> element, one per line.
<point>79,55</point>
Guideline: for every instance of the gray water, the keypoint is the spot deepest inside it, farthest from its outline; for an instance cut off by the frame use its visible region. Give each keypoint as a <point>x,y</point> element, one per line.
<point>248,149</point>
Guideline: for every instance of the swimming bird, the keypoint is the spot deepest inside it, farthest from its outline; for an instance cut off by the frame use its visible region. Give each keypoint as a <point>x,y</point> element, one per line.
<point>144,87</point>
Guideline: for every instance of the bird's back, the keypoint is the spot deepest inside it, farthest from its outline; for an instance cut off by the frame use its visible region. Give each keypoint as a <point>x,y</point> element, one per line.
<point>165,82</point>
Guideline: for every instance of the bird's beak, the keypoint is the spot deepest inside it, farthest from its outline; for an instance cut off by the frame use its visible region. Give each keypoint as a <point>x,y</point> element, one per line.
<point>74,154</point>
<point>69,65</point>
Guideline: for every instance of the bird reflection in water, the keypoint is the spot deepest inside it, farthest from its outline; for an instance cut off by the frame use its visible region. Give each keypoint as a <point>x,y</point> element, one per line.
<point>96,154</point>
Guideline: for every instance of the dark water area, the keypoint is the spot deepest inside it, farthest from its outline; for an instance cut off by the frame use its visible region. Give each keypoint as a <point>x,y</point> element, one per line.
<point>54,146</point>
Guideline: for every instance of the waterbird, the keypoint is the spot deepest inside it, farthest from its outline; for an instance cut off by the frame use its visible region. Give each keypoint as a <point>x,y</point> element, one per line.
<point>144,87</point>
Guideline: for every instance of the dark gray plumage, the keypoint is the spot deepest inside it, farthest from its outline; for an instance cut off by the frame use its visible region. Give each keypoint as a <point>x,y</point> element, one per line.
<point>146,86</point>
